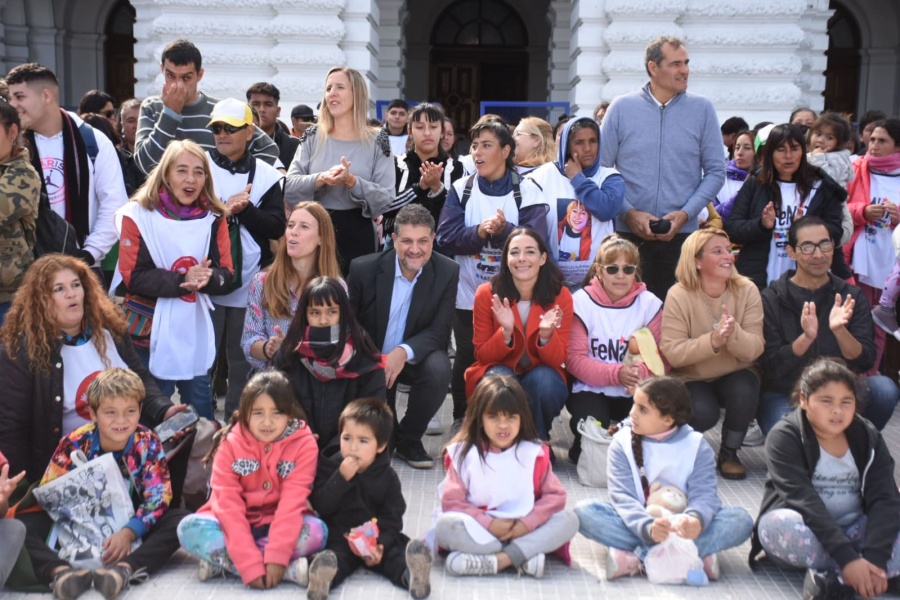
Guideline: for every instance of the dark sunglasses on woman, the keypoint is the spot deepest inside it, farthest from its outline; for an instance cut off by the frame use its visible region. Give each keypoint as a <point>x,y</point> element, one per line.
<point>613,269</point>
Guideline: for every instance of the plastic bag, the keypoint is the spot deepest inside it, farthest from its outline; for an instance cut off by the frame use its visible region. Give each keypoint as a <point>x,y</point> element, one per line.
<point>364,538</point>
<point>594,447</point>
<point>671,560</point>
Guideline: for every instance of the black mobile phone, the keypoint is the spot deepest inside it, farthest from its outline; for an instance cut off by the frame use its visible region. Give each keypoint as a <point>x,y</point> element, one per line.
<point>660,226</point>
<point>177,422</point>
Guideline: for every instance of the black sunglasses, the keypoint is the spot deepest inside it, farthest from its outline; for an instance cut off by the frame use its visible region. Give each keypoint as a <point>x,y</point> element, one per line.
<point>229,129</point>
<point>613,269</point>
<point>109,114</point>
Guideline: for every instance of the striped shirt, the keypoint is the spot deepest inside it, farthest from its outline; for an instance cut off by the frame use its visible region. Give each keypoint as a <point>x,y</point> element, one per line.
<point>159,125</point>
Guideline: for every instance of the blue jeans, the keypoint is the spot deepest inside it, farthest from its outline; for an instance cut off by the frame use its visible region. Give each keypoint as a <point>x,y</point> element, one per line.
<point>600,522</point>
<point>878,407</point>
<point>546,391</point>
<point>196,392</point>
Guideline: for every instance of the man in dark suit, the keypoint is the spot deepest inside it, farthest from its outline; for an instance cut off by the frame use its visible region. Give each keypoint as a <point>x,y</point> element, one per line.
<point>405,299</point>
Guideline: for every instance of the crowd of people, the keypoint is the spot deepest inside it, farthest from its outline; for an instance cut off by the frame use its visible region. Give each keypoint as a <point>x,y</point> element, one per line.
<point>644,268</point>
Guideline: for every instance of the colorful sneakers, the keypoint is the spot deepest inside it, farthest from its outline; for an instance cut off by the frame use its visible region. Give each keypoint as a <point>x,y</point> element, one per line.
<point>298,572</point>
<point>208,570</point>
<point>460,564</point>
<point>322,570</point>
<point>534,566</point>
<point>622,563</point>
<point>418,561</point>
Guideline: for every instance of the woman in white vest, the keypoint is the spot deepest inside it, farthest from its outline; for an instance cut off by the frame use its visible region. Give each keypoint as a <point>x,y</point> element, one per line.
<point>609,309</point>
<point>874,195</point>
<point>174,252</point>
<point>252,190</point>
<point>712,334</point>
<point>61,331</point>
<point>584,198</point>
<point>480,212</point>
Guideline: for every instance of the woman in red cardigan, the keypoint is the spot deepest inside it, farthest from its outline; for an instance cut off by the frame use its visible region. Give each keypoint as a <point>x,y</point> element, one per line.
<point>522,320</point>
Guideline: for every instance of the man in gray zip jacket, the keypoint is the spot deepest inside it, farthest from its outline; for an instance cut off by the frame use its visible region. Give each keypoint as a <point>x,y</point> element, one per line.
<point>667,145</point>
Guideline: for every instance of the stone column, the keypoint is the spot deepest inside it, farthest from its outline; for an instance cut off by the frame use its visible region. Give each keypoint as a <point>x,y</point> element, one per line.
<point>588,52</point>
<point>391,52</point>
<point>559,82</point>
<point>361,43</point>
<point>811,81</point>
<point>307,36</point>
<point>633,23</point>
<point>744,56</point>
<point>235,50</point>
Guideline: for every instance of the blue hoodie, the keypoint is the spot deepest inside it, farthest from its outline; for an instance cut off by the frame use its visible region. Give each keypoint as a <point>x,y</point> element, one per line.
<point>603,201</point>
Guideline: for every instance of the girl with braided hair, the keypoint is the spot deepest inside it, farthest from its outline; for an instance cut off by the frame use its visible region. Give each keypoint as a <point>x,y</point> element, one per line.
<point>656,445</point>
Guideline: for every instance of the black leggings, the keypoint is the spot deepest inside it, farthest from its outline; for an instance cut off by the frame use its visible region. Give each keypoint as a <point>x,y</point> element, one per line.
<point>355,236</point>
<point>463,331</point>
<point>738,392</point>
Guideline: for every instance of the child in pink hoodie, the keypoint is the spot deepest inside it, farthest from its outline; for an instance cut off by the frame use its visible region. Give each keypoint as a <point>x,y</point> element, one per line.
<point>256,523</point>
<point>611,306</point>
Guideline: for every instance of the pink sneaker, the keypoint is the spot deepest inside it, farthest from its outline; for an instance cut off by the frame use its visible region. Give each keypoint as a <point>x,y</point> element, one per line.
<point>622,563</point>
<point>711,566</point>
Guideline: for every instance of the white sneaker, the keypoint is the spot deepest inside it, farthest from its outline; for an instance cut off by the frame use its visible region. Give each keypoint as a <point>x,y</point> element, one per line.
<point>434,426</point>
<point>298,572</point>
<point>754,435</point>
<point>534,566</point>
<point>209,570</point>
<point>459,563</point>
<point>622,563</point>
<point>711,566</point>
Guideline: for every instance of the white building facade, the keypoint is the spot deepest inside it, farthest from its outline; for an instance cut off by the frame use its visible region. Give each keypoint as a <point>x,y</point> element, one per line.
<point>758,59</point>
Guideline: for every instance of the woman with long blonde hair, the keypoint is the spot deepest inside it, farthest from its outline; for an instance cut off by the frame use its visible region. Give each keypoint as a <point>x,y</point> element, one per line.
<point>535,145</point>
<point>712,334</point>
<point>344,165</point>
<point>308,250</point>
<point>175,251</point>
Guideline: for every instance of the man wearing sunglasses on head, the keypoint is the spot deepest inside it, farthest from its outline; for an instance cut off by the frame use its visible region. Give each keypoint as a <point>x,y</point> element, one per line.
<point>252,190</point>
<point>811,313</point>
<point>182,111</point>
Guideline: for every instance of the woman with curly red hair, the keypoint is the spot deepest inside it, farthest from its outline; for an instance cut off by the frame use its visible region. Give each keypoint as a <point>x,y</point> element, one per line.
<point>60,332</point>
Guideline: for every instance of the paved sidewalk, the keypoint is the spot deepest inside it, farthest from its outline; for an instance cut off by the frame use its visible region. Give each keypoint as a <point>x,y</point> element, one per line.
<point>584,579</point>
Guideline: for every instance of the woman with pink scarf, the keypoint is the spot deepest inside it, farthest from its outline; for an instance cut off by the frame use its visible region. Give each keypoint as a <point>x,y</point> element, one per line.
<point>874,195</point>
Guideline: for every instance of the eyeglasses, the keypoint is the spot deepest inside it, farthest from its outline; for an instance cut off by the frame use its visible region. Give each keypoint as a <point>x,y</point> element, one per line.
<point>521,133</point>
<point>808,248</point>
<point>109,114</point>
<point>217,128</point>
<point>613,269</point>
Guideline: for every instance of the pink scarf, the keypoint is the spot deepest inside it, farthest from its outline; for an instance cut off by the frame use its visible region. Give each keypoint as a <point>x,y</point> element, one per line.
<point>172,209</point>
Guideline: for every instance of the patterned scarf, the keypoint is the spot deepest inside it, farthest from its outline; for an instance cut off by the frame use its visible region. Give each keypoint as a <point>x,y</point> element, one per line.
<point>172,209</point>
<point>322,369</point>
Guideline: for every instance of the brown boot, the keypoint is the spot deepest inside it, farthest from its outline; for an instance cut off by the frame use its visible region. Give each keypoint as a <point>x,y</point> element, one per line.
<point>729,464</point>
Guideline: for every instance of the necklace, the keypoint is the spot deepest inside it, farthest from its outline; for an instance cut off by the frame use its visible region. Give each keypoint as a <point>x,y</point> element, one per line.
<point>721,302</point>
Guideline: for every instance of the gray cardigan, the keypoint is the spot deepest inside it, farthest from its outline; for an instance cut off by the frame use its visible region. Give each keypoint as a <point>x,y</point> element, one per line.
<point>372,164</point>
<point>670,156</point>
